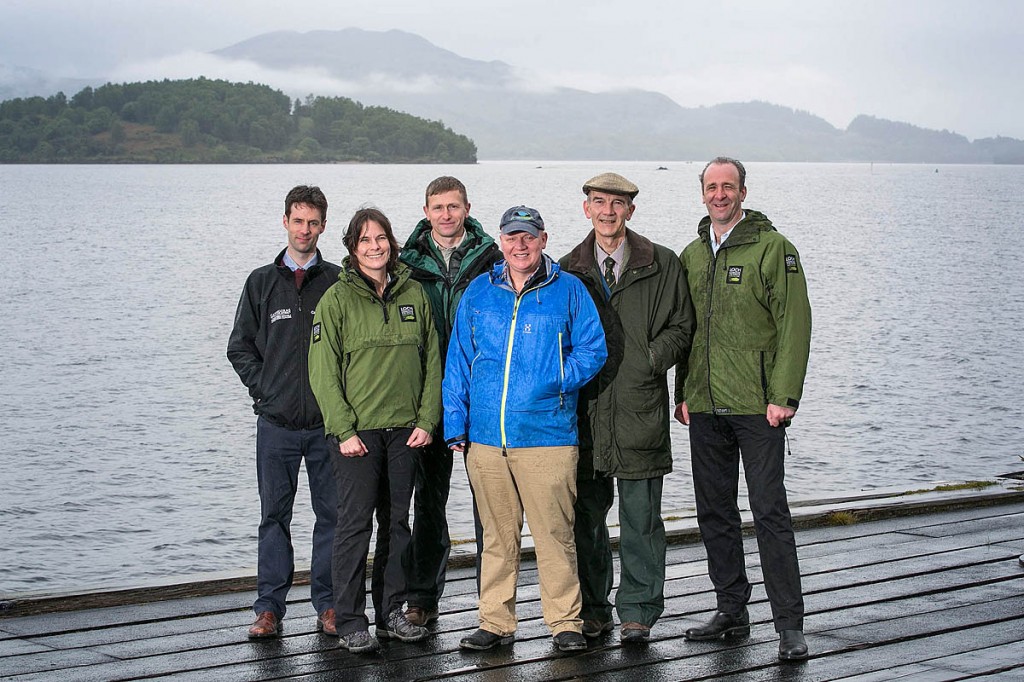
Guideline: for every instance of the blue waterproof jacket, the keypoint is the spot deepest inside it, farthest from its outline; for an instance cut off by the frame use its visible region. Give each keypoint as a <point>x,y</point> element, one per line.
<point>516,362</point>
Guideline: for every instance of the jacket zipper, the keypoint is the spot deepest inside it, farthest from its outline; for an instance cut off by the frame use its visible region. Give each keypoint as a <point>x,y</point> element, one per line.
<point>508,360</point>
<point>561,372</point>
<point>305,379</point>
<point>707,323</point>
<point>508,363</point>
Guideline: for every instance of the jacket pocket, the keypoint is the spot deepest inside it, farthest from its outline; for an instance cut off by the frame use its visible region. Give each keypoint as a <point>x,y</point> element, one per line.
<point>643,420</point>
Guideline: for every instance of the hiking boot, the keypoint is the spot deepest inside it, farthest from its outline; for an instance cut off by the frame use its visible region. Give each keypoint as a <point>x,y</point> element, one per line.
<point>417,615</point>
<point>358,642</point>
<point>398,627</point>
<point>595,628</point>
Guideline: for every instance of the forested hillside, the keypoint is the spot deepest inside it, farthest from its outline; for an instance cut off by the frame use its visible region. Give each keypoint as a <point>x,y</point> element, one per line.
<point>214,121</point>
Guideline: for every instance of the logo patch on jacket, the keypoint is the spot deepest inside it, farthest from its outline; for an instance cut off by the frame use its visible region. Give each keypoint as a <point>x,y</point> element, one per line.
<point>734,275</point>
<point>282,314</point>
<point>407,313</point>
<point>791,264</point>
<point>316,332</point>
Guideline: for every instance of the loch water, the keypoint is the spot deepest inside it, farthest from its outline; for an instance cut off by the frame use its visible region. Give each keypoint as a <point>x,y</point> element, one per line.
<point>127,455</point>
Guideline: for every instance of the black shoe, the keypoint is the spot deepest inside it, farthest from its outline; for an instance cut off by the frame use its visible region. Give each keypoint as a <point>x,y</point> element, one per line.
<point>481,640</point>
<point>722,625</point>
<point>570,641</point>
<point>792,645</point>
<point>595,628</point>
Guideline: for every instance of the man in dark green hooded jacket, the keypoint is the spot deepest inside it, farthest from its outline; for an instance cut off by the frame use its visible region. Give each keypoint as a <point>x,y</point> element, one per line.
<point>446,251</point>
<point>738,392</point>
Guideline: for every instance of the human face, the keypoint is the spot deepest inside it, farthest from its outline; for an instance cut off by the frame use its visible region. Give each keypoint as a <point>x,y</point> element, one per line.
<point>447,213</point>
<point>305,224</point>
<point>373,251</point>
<point>608,213</point>
<point>722,194</point>
<point>523,253</point>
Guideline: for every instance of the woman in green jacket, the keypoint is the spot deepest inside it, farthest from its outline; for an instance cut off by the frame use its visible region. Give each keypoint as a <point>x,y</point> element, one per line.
<point>375,369</point>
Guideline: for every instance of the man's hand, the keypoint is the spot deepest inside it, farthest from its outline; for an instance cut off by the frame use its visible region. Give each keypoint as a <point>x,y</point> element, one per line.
<point>353,447</point>
<point>778,415</point>
<point>458,447</point>
<point>682,414</point>
<point>418,438</point>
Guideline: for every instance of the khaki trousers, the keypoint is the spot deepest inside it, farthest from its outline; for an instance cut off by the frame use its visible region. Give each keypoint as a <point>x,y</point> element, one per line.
<point>541,482</point>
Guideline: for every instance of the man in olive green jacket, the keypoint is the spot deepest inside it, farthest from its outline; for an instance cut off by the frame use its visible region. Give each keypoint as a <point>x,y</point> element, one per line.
<point>738,391</point>
<point>641,295</point>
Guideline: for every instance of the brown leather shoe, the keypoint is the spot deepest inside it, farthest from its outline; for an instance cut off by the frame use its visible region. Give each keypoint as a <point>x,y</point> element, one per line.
<point>325,623</point>
<point>266,625</point>
<point>634,633</point>
<point>420,616</point>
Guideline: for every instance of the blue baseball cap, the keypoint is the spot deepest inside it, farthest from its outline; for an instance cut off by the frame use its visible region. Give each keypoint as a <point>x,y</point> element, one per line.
<point>522,219</point>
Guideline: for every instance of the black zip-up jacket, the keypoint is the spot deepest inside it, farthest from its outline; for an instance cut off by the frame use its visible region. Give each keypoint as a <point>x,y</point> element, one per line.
<point>269,343</point>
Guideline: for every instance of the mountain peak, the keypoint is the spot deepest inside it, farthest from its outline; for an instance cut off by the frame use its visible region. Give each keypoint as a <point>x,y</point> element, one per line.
<point>356,55</point>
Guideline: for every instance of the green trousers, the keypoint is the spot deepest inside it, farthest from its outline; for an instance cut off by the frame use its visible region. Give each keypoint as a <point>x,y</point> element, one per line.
<point>641,594</point>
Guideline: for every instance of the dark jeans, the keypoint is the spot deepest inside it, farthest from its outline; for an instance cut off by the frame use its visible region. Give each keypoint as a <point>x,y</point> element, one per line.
<point>430,546</point>
<point>716,445</point>
<point>279,452</point>
<point>381,481</point>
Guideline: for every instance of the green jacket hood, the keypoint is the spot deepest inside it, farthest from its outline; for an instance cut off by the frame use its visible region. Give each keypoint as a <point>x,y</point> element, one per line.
<point>420,252</point>
<point>745,231</point>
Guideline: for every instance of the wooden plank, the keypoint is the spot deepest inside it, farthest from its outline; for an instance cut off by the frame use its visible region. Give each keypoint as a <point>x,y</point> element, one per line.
<point>858,579</point>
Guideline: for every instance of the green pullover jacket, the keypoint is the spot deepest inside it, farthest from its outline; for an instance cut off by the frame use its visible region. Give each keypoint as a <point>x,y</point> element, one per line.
<point>374,362</point>
<point>753,318</point>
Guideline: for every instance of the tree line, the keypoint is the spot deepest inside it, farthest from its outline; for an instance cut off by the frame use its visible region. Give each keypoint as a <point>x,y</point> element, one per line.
<point>214,121</point>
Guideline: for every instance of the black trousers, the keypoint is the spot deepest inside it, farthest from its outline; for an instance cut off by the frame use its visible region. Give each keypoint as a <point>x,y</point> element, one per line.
<point>716,445</point>
<point>430,546</point>
<point>381,481</point>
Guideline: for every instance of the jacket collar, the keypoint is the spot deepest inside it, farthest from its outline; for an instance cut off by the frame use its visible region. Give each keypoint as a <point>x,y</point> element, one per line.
<point>746,231</point>
<point>641,252</point>
<point>420,252</point>
<point>312,270</point>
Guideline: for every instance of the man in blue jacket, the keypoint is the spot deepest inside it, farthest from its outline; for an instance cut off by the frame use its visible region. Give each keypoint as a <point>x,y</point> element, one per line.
<point>526,338</point>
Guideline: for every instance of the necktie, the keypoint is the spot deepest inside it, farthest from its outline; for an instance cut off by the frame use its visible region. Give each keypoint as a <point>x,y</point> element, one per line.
<point>609,271</point>
<point>300,275</point>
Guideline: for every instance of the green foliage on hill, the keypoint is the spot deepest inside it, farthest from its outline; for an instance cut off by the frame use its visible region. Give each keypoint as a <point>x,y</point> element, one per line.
<point>214,121</point>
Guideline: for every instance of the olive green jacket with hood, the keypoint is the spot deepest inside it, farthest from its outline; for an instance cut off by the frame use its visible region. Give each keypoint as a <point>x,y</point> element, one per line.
<point>374,361</point>
<point>647,319</point>
<point>753,332</point>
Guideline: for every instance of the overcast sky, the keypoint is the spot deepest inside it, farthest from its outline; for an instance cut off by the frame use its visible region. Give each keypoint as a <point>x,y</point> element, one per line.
<point>943,64</point>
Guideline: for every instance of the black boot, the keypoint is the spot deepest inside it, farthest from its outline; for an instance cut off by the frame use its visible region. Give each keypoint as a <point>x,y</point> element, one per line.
<point>722,625</point>
<point>792,645</point>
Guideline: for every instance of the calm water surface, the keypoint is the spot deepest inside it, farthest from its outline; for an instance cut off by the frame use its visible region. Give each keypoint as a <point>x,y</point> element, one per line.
<point>128,449</point>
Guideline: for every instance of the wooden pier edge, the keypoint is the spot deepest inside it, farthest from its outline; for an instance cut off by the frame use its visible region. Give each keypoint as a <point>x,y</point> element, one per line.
<point>680,529</point>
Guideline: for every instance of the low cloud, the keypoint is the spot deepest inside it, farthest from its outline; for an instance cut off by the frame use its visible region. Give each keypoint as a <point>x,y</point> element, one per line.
<point>297,82</point>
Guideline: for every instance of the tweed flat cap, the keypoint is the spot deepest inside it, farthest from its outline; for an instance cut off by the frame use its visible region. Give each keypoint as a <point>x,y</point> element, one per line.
<point>612,183</point>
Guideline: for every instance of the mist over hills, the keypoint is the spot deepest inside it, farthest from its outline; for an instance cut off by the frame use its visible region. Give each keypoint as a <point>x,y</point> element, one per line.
<point>510,116</point>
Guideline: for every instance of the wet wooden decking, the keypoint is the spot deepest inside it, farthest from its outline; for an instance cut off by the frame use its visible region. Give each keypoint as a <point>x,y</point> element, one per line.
<point>930,596</point>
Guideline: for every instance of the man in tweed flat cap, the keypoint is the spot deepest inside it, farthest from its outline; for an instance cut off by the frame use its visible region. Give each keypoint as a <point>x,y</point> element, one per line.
<point>641,294</point>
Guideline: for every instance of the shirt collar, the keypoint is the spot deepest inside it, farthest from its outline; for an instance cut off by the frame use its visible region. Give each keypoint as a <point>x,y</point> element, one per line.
<point>293,266</point>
